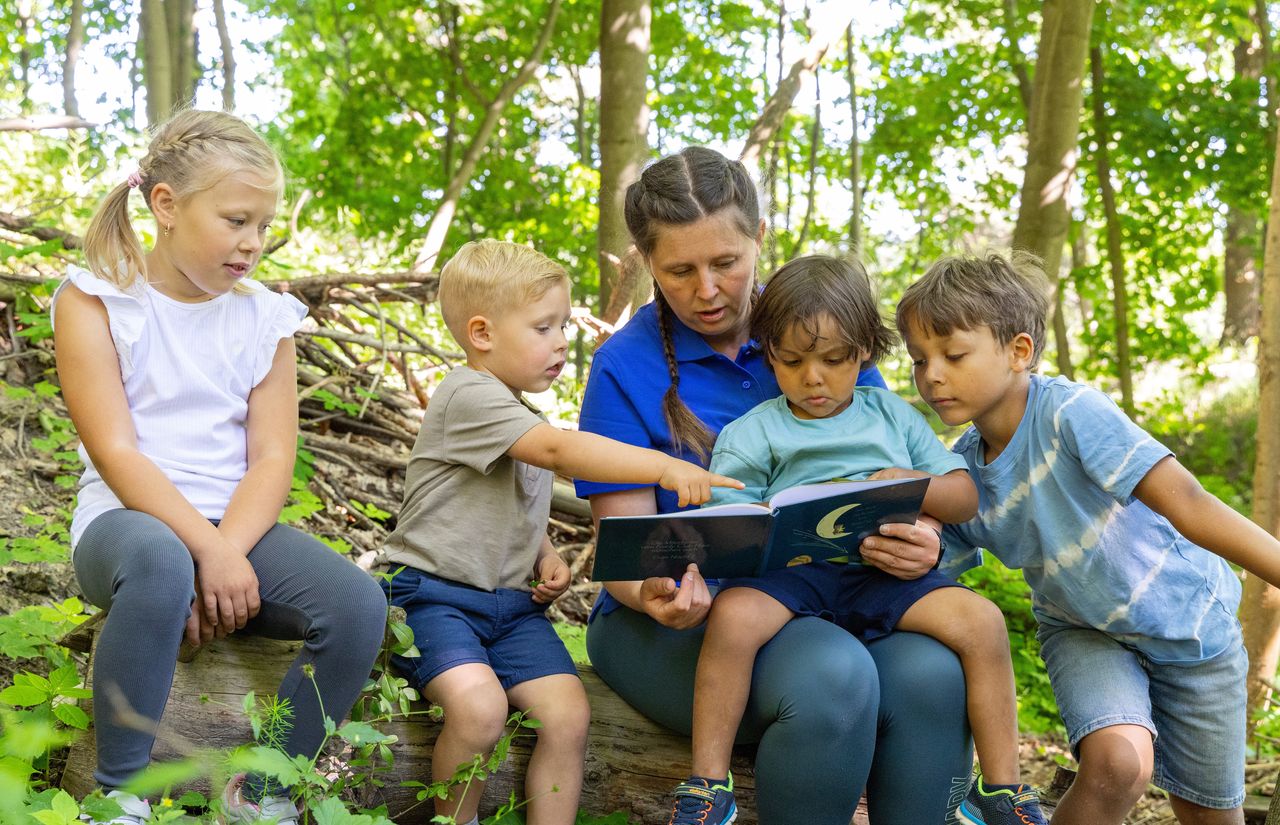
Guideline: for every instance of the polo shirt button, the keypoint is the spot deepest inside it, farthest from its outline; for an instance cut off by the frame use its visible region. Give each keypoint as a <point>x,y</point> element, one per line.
<point>746,385</point>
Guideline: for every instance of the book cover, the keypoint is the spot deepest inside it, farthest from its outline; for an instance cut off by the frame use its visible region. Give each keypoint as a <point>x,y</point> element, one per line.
<point>812,522</point>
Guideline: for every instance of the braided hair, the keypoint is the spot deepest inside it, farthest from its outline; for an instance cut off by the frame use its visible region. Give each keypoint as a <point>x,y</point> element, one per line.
<point>674,191</point>
<point>191,152</point>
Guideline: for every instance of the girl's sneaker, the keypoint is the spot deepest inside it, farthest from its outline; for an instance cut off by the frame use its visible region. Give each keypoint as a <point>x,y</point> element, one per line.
<point>1001,805</point>
<point>134,811</point>
<point>698,802</point>
<point>236,810</point>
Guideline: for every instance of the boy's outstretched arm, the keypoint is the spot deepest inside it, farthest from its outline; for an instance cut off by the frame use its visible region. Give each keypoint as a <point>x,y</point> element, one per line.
<point>951,498</point>
<point>1172,491</point>
<point>593,457</point>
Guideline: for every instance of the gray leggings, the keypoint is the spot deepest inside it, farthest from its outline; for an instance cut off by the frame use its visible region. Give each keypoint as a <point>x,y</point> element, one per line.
<point>135,565</point>
<point>826,725</point>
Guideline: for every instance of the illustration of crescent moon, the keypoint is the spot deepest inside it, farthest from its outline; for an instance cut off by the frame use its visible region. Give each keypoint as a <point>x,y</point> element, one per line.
<point>829,528</point>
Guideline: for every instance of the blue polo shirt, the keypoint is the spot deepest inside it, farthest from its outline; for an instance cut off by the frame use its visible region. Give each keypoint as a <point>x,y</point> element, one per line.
<point>629,376</point>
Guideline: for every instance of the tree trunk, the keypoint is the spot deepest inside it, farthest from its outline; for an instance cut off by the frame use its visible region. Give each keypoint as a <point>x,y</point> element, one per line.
<point>771,167</point>
<point>179,18</point>
<point>624,135</point>
<point>1260,606</point>
<point>829,21</point>
<point>631,763</point>
<point>1244,229</point>
<point>438,229</point>
<point>855,149</point>
<point>1053,128</point>
<point>228,58</point>
<point>1115,250</point>
<point>75,42</point>
<point>26,15</point>
<point>157,68</point>
<point>811,187</point>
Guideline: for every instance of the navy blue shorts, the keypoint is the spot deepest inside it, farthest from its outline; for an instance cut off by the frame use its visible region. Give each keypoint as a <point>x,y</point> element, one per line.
<point>862,599</point>
<point>455,624</point>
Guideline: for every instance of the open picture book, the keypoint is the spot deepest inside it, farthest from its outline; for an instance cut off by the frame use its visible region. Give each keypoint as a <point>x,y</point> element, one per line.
<point>812,522</point>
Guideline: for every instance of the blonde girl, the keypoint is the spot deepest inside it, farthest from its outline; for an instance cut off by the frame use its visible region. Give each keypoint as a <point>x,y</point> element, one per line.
<point>179,374</point>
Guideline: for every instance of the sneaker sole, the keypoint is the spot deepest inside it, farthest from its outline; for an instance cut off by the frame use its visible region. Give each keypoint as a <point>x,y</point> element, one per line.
<point>964,817</point>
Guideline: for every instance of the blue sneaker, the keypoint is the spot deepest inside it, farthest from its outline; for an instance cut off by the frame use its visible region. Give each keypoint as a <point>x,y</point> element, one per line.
<point>1001,805</point>
<point>698,802</point>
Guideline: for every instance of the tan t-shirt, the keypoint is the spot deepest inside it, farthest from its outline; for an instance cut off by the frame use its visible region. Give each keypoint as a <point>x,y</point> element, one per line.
<point>471,513</point>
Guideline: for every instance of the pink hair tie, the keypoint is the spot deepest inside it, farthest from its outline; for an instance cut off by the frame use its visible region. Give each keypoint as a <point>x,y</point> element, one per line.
<point>134,180</point>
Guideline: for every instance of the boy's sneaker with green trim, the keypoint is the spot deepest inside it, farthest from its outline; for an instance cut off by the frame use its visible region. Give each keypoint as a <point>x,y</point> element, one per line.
<point>1001,805</point>
<point>699,801</point>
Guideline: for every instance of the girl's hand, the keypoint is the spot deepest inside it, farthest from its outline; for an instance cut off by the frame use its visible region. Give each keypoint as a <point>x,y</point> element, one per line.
<point>691,483</point>
<point>199,631</point>
<point>906,551</point>
<point>228,589</point>
<point>552,579</point>
<point>677,607</point>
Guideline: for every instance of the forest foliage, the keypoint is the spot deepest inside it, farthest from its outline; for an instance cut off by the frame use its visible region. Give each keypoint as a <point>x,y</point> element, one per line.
<point>918,114</point>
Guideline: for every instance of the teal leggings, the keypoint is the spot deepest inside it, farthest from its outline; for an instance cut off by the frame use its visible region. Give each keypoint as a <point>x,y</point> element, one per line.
<point>825,724</point>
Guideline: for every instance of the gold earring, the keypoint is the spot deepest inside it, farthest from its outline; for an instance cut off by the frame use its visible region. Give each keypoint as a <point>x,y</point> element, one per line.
<point>166,231</point>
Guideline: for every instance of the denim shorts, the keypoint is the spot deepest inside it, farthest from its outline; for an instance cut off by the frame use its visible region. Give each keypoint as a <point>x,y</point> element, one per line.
<point>1195,712</point>
<point>455,624</point>
<point>862,599</point>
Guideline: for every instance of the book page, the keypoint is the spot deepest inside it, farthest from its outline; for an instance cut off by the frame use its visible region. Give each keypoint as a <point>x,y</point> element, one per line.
<point>741,508</point>
<point>812,492</point>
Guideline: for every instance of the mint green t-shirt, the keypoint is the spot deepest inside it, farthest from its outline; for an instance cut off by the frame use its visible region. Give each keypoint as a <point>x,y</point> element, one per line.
<point>768,449</point>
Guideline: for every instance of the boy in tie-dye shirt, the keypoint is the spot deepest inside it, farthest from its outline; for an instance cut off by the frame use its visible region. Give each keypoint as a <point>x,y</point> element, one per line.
<point>1125,552</point>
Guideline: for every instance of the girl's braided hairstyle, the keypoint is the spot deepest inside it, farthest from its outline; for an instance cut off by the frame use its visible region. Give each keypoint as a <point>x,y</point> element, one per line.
<point>190,152</point>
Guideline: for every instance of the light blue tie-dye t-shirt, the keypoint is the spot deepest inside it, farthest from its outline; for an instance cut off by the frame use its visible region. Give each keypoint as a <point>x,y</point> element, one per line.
<point>1058,503</point>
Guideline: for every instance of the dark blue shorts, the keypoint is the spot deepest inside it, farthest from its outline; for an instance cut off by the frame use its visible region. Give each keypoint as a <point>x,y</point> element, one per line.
<point>864,600</point>
<point>455,624</point>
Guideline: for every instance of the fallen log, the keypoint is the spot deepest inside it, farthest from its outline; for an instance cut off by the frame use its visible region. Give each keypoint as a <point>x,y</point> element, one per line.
<point>632,763</point>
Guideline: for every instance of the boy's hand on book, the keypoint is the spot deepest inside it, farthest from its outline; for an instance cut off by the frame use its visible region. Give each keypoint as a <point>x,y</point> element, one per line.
<point>905,551</point>
<point>680,607</point>
<point>692,484</point>
<point>890,473</point>
<point>552,579</point>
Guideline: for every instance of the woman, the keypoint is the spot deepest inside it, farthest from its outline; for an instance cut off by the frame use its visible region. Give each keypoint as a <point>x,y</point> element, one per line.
<point>830,715</point>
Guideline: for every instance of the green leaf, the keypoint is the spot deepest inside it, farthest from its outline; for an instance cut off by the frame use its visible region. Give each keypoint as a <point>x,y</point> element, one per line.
<point>361,733</point>
<point>23,695</point>
<point>160,776</point>
<point>72,716</point>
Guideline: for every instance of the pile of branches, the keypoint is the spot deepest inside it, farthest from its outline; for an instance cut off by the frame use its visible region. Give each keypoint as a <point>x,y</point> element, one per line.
<point>357,425</point>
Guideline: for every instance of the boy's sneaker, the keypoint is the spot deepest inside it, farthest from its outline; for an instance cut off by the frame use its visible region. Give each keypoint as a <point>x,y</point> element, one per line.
<point>698,802</point>
<point>236,810</point>
<point>135,811</point>
<point>1001,805</point>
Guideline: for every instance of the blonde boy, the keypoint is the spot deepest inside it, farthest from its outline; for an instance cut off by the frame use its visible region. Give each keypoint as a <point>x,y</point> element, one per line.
<point>479,569</point>
<point>1125,552</point>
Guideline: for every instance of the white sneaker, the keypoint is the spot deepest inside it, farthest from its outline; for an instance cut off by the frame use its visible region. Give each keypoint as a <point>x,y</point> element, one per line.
<point>136,811</point>
<point>236,810</point>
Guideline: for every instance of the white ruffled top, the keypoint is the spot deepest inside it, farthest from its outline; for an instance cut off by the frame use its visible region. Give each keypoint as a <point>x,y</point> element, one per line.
<point>187,370</point>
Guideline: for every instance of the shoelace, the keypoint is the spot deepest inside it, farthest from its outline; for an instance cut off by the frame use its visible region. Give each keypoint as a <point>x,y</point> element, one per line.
<point>692,805</point>
<point>1018,801</point>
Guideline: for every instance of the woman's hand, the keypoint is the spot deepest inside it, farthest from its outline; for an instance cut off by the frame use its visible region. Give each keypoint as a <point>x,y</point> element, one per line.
<point>680,607</point>
<point>906,551</point>
<point>692,484</point>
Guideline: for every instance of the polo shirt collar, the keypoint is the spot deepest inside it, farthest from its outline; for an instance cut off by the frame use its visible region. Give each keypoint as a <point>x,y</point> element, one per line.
<point>690,346</point>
